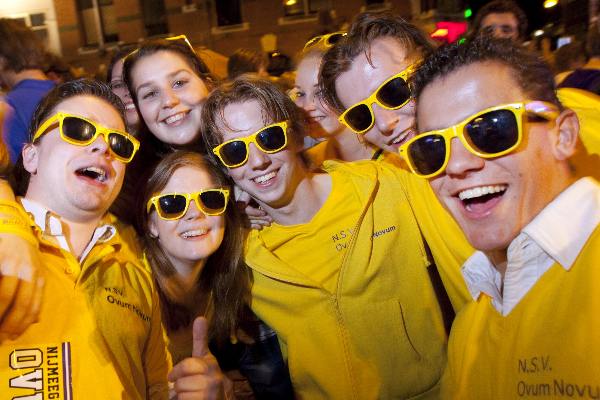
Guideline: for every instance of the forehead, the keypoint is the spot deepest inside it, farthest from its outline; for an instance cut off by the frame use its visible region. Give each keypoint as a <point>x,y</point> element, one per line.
<point>464,92</point>
<point>385,57</point>
<point>242,119</point>
<point>92,107</point>
<point>189,178</point>
<point>307,72</point>
<point>117,71</point>
<point>159,65</point>
<point>499,19</point>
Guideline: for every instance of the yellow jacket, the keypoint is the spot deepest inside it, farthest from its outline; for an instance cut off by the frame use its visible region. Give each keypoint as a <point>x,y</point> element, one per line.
<point>99,335</point>
<point>380,333</point>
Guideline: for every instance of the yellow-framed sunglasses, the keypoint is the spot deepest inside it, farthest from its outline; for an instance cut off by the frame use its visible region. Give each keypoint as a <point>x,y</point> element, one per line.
<point>184,39</point>
<point>172,206</point>
<point>392,94</point>
<point>81,131</point>
<point>325,40</point>
<point>490,133</point>
<point>270,139</point>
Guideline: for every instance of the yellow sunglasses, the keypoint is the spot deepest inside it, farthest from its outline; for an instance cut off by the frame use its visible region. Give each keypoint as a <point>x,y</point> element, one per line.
<point>325,40</point>
<point>81,131</point>
<point>270,139</point>
<point>490,133</point>
<point>392,94</point>
<point>172,206</point>
<point>184,39</point>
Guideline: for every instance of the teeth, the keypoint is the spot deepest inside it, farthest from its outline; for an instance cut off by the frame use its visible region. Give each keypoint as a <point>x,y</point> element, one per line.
<point>265,178</point>
<point>401,138</point>
<point>130,106</point>
<point>175,118</point>
<point>481,191</point>
<point>194,233</point>
<point>98,171</point>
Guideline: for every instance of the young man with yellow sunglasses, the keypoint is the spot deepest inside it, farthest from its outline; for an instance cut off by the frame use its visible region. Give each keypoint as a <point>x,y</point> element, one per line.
<point>495,145</point>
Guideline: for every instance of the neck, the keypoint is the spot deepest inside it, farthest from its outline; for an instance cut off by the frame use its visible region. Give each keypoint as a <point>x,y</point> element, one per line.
<point>182,285</point>
<point>349,147</point>
<point>13,78</point>
<point>308,198</point>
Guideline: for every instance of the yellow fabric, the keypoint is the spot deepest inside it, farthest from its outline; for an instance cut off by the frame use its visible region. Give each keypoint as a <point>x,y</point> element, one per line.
<point>587,107</point>
<point>329,231</point>
<point>108,311</point>
<point>548,346</point>
<point>380,333</point>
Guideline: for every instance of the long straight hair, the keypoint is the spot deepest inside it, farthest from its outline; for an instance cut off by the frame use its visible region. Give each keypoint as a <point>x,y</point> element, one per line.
<point>225,278</point>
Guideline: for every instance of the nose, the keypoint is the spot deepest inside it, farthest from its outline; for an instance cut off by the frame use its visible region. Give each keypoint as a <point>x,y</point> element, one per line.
<point>462,161</point>
<point>193,212</point>
<point>99,146</point>
<point>385,120</point>
<point>256,158</point>
<point>170,99</point>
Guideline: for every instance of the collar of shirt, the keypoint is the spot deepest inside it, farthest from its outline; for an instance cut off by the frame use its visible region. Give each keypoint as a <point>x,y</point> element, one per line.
<point>52,227</point>
<point>556,234</point>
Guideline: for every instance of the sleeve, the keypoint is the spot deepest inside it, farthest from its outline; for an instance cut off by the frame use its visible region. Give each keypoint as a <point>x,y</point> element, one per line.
<point>157,360</point>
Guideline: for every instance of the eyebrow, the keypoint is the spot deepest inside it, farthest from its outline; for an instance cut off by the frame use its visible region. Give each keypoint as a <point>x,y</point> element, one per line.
<point>171,75</point>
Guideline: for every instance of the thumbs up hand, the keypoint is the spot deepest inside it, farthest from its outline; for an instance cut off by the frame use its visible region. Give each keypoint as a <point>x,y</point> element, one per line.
<point>198,376</point>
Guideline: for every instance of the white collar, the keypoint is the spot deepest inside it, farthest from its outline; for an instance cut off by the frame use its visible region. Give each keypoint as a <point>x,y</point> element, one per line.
<point>50,224</point>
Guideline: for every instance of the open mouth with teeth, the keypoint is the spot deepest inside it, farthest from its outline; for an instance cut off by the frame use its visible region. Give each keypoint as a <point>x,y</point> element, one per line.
<point>174,119</point>
<point>194,233</point>
<point>93,173</point>
<point>401,138</point>
<point>482,198</point>
<point>264,180</point>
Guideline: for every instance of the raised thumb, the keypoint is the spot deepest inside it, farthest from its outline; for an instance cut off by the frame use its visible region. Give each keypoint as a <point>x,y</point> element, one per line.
<point>200,337</point>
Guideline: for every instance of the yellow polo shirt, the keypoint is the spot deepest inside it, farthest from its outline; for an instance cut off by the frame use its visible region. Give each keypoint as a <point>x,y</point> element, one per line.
<point>99,333</point>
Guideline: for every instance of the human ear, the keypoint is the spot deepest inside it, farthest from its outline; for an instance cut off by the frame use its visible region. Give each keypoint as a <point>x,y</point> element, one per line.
<point>567,136</point>
<point>30,158</point>
<point>152,228</point>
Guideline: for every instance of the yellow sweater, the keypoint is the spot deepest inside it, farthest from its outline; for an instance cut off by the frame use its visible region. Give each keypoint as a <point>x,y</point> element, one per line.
<point>99,335</point>
<point>379,333</point>
<point>547,347</point>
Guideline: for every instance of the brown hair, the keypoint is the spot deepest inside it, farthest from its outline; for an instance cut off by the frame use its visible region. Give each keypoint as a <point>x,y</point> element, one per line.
<point>366,28</point>
<point>276,106</point>
<point>530,71</point>
<point>244,61</point>
<point>225,279</point>
<point>20,47</point>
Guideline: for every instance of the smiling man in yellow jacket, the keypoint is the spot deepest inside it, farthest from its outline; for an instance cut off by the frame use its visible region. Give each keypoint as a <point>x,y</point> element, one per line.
<point>496,145</point>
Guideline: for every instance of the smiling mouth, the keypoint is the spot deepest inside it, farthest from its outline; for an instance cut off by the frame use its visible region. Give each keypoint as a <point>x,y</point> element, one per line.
<point>175,118</point>
<point>129,106</point>
<point>195,233</point>
<point>263,179</point>
<point>95,173</point>
<point>401,138</point>
<point>482,197</point>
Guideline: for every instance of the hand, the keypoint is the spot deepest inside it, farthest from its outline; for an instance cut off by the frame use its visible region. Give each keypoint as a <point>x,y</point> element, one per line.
<point>198,376</point>
<point>21,285</point>
<point>257,217</point>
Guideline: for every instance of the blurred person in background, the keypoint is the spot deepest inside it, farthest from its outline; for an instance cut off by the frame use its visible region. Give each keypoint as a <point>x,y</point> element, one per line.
<point>502,19</point>
<point>567,58</point>
<point>244,61</point>
<point>588,76</point>
<point>22,63</point>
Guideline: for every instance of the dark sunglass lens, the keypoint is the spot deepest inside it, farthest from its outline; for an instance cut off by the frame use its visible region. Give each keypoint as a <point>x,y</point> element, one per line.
<point>359,118</point>
<point>493,132</point>
<point>428,154</point>
<point>234,152</point>
<point>172,205</point>
<point>120,145</point>
<point>271,139</point>
<point>394,93</point>
<point>213,201</point>
<point>78,129</point>
<point>333,39</point>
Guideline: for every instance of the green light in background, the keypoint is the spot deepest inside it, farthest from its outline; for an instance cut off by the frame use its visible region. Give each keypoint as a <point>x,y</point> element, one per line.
<point>462,41</point>
<point>468,13</point>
